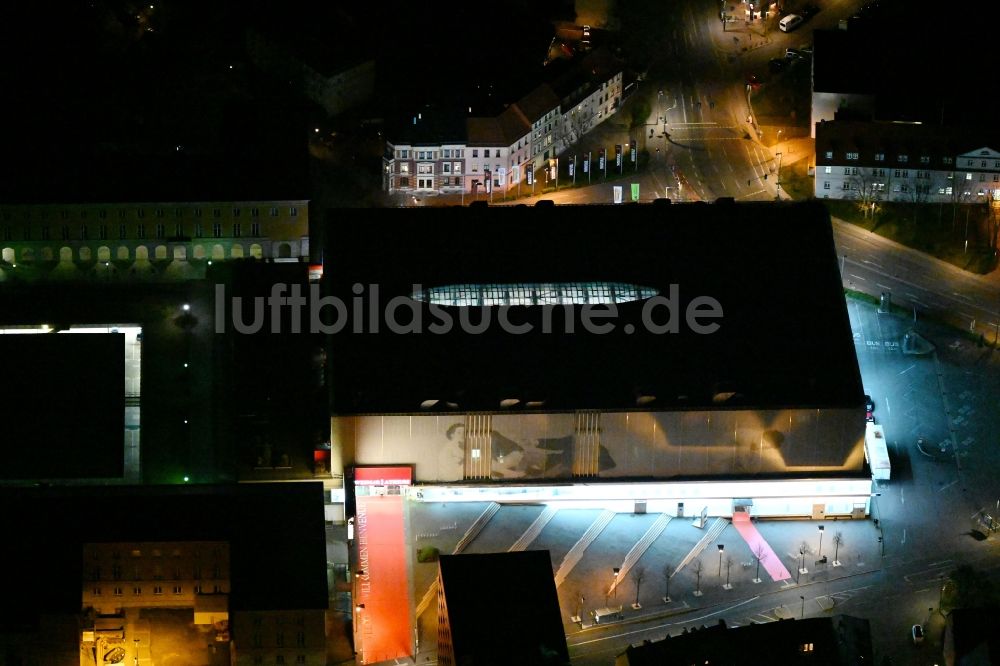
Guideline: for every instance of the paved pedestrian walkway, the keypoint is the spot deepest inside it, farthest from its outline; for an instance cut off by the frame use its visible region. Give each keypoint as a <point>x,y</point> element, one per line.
<point>759,547</point>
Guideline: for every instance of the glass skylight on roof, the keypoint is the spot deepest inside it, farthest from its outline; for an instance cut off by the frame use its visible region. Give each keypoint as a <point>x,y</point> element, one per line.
<point>539,293</point>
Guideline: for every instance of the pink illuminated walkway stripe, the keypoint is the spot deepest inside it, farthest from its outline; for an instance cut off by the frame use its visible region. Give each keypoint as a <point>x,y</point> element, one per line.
<point>770,561</point>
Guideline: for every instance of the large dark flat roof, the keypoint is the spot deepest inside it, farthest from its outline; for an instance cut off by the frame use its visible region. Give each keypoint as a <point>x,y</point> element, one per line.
<point>62,402</point>
<point>784,341</point>
<point>275,532</point>
<point>523,598</point>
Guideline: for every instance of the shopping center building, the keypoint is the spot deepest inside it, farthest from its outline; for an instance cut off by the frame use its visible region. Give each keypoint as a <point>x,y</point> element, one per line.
<point>684,359</point>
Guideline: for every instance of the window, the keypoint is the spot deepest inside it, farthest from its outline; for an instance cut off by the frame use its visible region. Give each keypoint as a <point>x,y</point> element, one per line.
<point>141,233</point>
<point>236,212</point>
<point>475,152</point>
<point>217,230</point>
<point>982,177</point>
<point>139,212</point>
<point>274,211</point>
<point>84,232</point>
<point>446,153</point>
<point>216,212</point>
<point>903,159</point>
<point>457,167</point>
<point>178,230</point>
<point>806,647</point>
<point>983,164</point>
<point>404,154</point>
<point>845,185</point>
<point>828,169</point>
<point>103,214</point>
<point>878,172</point>
<point>880,157</point>
<point>300,639</point>
<point>255,229</point>
<point>254,212</point>
<point>45,233</point>
<point>947,190</point>
<point>486,152</point>
<point>178,212</point>
<point>829,154</point>
<point>826,184</point>
<point>852,156</point>
<point>293,211</point>
<point>137,591</point>
<point>97,591</point>
<point>446,167</point>
<point>177,589</point>
<point>237,231</point>
<point>947,160</point>
<point>159,234</point>
<point>404,168</point>
<point>197,230</point>
<point>157,589</point>
<point>925,159</point>
<point>159,212</point>
<point>122,232</point>
<point>968,176</point>
<point>118,591</point>
<point>279,639</point>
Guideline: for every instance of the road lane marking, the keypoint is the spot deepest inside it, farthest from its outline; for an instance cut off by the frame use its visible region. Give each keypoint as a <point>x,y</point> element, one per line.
<point>882,286</point>
<point>887,407</point>
<point>907,370</point>
<point>858,277</point>
<point>948,485</point>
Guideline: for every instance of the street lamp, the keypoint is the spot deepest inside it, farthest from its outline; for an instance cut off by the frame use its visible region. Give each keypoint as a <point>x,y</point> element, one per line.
<point>820,553</point>
<point>186,307</point>
<point>777,183</point>
<point>722,547</point>
<point>617,570</point>
<point>803,614</point>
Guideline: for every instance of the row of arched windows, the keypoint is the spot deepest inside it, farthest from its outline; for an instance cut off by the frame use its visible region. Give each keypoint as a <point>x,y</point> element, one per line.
<point>123,253</point>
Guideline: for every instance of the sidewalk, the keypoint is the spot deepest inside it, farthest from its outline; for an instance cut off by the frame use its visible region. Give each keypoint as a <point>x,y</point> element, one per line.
<point>858,553</point>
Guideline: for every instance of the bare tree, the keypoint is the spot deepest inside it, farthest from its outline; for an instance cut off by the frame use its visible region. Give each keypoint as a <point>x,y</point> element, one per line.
<point>759,554</point>
<point>697,565</point>
<point>637,574</point>
<point>866,188</point>
<point>838,539</point>
<point>666,571</point>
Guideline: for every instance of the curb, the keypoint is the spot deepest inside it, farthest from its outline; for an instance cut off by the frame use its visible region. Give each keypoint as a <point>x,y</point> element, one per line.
<point>684,611</point>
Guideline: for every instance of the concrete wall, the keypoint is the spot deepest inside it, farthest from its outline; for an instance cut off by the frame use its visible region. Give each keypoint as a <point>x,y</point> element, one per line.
<point>620,445</point>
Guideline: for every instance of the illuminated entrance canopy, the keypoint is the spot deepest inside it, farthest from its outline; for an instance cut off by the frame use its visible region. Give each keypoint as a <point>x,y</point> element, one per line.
<point>535,293</point>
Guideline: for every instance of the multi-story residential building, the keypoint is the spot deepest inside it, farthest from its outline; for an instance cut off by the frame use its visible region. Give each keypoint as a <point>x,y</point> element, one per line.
<point>872,161</point>
<point>172,240</point>
<point>521,138</point>
<point>153,574</point>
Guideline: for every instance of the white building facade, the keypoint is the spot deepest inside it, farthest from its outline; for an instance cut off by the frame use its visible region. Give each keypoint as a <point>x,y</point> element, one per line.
<point>871,162</point>
<point>505,148</point>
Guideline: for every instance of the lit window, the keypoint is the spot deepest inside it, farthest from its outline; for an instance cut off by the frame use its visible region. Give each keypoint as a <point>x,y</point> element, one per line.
<point>852,156</point>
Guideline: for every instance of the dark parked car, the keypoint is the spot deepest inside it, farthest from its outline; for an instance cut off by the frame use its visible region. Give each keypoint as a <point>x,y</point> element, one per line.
<point>777,64</point>
<point>795,54</point>
<point>809,11</point>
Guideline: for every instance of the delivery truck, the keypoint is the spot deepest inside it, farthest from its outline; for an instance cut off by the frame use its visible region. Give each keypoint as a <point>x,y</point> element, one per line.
<point>876,451</point>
